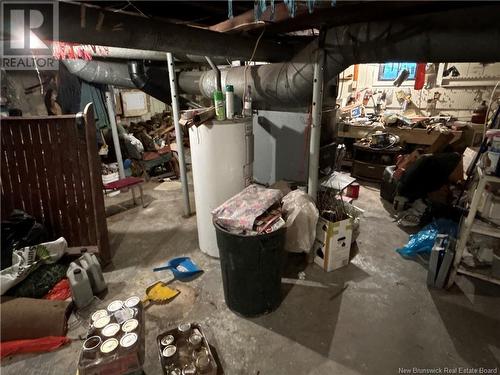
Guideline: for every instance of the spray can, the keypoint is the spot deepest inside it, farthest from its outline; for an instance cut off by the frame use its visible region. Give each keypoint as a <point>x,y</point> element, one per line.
<point>220,112</point>
<point>229,101</point>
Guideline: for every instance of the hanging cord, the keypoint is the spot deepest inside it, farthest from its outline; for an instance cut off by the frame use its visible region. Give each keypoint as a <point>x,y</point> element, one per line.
<point>251,59</point>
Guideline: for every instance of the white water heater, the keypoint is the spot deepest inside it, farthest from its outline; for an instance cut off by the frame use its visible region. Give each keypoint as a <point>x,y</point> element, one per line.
<point>222,162</point>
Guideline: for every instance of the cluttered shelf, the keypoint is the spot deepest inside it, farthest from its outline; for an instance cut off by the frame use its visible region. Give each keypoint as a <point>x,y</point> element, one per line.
<point>484,229</point>
<point>413,136</point>
<point>479,273</point>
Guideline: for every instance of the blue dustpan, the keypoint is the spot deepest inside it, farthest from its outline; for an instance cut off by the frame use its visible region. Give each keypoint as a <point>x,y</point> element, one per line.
<point>183,268</point>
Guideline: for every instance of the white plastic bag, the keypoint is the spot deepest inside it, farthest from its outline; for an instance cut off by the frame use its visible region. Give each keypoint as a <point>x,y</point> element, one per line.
<point>301,217</point>
<point>27,259</point>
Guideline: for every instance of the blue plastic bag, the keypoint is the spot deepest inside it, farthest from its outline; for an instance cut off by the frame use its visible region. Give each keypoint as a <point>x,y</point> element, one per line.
<point>423,241</point>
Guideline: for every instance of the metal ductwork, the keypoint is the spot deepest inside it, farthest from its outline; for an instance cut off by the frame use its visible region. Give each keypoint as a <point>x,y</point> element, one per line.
<point>153,82</point>
<point>88,24</point>
<point>470,34</point>
<point>140,54</point>
<point>109,73</point>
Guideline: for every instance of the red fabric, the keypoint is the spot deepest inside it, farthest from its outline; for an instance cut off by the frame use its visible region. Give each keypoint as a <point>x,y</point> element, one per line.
<point>123,183</point>
<point>420,76</point>
<point>60,292</point>
<point>43,344</point>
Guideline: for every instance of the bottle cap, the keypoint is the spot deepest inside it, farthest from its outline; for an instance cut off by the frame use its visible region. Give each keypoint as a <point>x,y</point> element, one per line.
<point>229,88</point>
<point>218,95</point>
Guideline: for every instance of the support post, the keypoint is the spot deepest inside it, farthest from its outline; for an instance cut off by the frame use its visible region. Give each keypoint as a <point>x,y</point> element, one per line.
<point>110,106</point>
<point>178,133</point>
<point>316,111</point>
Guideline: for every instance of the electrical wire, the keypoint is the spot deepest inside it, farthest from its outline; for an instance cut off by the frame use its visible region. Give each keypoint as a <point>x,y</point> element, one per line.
<point>251,59</point>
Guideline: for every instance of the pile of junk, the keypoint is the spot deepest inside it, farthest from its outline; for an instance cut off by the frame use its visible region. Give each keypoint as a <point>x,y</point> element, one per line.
<point>149,148</point>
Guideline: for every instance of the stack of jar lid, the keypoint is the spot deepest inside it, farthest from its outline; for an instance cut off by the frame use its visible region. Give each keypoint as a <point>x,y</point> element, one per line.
<point>113,328</point>
<point>185,351</point>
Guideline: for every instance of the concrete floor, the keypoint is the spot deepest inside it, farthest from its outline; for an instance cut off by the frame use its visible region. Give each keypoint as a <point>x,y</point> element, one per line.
<point>380,317</point>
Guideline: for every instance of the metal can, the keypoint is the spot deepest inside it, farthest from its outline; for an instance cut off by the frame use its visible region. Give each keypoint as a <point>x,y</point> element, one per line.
<point>170,353</point>
<point>109,346</point>
<point>128,340</point>
<point>132,301</point>
<point>195,340</point>
<point>130,325</point>
<point>203,363</point>
<point>99,314</point>
<point>167,340</point>
<point>90,347</point>
<point>102,322</point>
<point>115,305</point>
<point>200,352</point>
<point>110,330</point>
<point>189,369</point>
<point>184,328</point>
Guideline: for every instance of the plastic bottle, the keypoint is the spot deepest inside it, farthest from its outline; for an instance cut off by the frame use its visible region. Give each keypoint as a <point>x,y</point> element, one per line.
<point>79,282</point>
<point>229,101</point>
<point>247,103</point>
<point>91,265</point>
<point>220,111</point>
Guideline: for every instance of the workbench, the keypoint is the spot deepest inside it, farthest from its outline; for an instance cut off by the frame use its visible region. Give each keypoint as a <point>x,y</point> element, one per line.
<point>413,136</point>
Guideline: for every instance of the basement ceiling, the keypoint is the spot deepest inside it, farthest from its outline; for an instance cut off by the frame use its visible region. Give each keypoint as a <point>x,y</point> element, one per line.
<point>207,14</point>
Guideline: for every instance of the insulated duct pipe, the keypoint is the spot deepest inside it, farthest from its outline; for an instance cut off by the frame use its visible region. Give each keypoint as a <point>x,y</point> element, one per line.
<point>89,24</point>
<point>140,54</point>
<point>109,73</point>
<point>470,34</point>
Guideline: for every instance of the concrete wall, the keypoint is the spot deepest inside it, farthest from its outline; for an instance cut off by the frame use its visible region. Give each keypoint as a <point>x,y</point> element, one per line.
<point>16,82</point>
<point>459,96</point>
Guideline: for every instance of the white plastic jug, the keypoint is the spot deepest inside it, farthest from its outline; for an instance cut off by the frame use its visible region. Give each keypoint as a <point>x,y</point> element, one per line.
<point>80,285</point>
<point>91,265</point>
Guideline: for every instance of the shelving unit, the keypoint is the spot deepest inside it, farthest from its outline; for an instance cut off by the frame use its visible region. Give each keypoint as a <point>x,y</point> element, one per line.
<point>472,225</point>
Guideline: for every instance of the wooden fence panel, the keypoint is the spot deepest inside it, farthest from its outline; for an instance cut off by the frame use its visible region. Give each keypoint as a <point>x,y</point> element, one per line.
<point>51,169</point>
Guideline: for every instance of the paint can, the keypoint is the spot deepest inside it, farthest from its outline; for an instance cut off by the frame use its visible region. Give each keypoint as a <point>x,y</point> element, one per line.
<point>115,306</point>
<point>102,322</point>
<point>128,340</point>
<point>132,301</point>
<point>99,314</point>
<point>167,340</point>
<point>90,347</point>
<point>110,330</point>
<point>170,353</point>
<point>109,346</point>
<point>130,325</point>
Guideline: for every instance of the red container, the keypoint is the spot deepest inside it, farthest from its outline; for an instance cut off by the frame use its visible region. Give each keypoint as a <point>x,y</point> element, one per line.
<point>353,190</point>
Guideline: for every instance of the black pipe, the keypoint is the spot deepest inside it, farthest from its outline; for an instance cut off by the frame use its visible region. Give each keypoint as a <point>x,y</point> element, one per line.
<point>153,82</point>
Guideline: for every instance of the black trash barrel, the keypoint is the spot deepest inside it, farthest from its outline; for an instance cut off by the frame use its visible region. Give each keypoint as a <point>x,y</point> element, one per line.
<point>251,270</point>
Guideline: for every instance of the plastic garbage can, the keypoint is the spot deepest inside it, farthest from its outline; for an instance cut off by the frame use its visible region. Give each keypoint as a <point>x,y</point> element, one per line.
<point>251,270</point>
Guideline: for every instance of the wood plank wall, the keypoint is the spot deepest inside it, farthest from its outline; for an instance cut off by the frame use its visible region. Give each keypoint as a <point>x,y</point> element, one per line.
<point>50,169</point>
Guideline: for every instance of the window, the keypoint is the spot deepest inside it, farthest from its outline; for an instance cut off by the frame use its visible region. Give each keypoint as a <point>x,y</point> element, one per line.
<point>390,71</point>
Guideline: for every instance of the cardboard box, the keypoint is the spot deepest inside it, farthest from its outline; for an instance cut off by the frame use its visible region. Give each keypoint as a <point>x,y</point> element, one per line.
<point>332,245</point>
